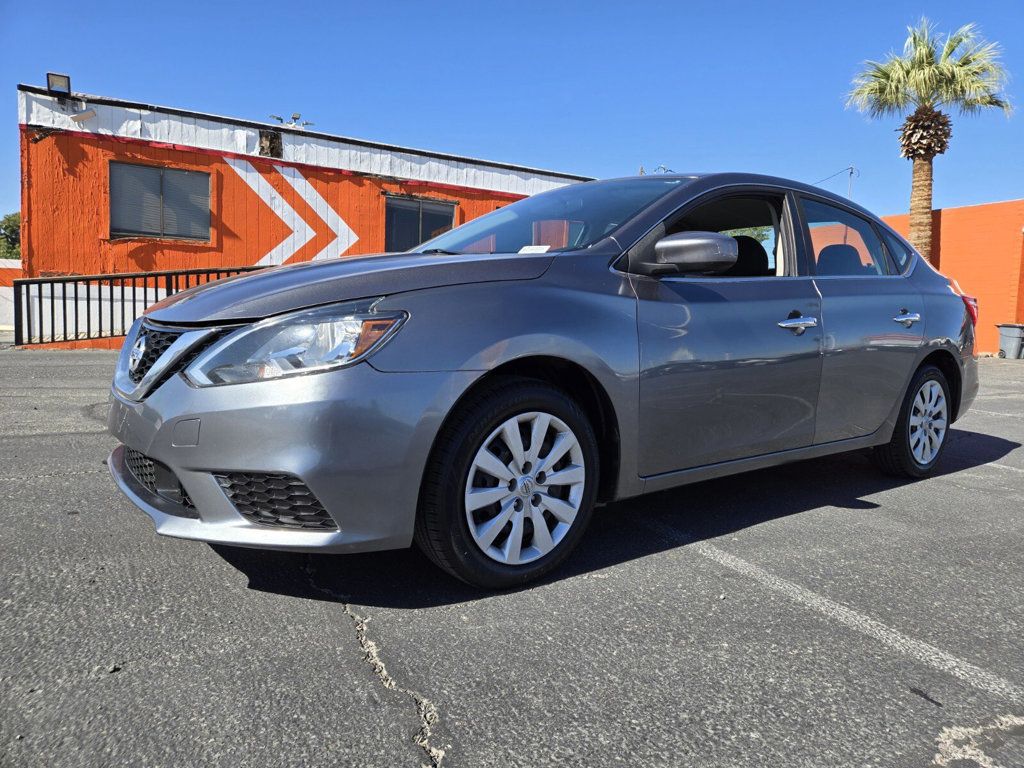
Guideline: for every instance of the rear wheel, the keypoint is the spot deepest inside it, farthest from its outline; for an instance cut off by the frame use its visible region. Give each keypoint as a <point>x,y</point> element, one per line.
<point>921,430</point>
<point>510,487</point>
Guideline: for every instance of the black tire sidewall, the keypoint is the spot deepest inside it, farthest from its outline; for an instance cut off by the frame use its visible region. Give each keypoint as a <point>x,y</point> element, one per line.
<point>911,464</point>
<point>462,552</point>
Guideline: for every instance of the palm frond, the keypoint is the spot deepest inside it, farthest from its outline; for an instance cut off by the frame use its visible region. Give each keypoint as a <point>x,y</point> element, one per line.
<point>966,34</point>
<point>919,47</point>
<point>881,88</point>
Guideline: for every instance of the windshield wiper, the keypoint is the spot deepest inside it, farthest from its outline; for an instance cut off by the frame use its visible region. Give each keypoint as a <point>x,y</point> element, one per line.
<point>442,251</point>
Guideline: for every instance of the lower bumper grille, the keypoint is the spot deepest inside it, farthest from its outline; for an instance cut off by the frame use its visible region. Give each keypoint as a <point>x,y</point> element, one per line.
<point>275,499</point>
<point>158,479</point>
<point>142,467</point>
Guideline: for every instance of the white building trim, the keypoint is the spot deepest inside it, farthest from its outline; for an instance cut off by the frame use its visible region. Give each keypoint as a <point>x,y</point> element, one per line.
<point>149,123</point>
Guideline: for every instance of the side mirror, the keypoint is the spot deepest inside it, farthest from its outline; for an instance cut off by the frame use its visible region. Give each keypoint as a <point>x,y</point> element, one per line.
<point>694,253</point>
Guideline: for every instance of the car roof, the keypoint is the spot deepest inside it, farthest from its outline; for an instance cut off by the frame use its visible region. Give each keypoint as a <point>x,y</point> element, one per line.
<point>732,178</point>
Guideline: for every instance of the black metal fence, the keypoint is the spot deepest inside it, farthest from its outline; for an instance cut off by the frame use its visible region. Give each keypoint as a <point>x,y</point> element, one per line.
<point>77,307</point>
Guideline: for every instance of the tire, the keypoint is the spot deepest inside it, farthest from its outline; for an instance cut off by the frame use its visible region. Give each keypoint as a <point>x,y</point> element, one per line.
<point>487,422</point>
<point>905,456</point>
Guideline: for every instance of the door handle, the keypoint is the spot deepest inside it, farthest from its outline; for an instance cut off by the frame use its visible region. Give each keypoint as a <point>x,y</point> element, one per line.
<point>907,319</point>
<point>799,324</point>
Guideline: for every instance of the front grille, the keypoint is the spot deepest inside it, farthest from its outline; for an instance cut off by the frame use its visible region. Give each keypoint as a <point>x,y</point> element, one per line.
<point>157,343</point>
<point>158,479</point>
<point>186,359</point>
<point>275,499</point>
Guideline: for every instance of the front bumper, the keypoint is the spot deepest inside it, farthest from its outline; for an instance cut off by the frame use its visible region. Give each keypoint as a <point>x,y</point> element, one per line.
<point>358,438</point>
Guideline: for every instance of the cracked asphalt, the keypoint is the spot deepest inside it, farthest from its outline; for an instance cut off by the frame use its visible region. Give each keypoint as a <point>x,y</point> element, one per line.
<point>816,614</point>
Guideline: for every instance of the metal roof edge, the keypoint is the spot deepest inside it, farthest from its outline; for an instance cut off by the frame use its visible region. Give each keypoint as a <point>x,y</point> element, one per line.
<point>109,101</point>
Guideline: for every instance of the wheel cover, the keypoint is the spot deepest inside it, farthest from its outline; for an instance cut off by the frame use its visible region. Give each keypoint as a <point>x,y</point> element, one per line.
<point>524,488</point>
<point>927,423</point>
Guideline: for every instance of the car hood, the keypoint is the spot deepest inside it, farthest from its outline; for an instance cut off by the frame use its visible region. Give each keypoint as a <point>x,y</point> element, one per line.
<point>255,295</point>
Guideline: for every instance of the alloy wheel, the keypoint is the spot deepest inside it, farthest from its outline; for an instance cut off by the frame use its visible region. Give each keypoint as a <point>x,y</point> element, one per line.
<point>927,422</point>
<point>524,488</point>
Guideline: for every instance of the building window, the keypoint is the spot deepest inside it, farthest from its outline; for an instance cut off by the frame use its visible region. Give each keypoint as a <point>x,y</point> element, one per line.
<point>409,221</point>
<point>149,201</point>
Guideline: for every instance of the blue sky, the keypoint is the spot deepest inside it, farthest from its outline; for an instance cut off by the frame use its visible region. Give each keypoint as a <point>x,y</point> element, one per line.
<point>590,87</point>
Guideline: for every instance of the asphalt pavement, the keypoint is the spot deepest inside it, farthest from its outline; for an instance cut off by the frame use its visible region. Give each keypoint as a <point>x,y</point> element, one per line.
<point>817,614</point>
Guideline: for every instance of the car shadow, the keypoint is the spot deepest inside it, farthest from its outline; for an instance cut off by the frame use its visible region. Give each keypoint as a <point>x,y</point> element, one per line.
<point>406,579</point>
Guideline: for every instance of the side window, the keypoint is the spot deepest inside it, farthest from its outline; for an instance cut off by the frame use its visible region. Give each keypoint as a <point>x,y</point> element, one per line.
<point>899,252</point>
<point>411,221</point>
<point>843,243</point>
<point>756,224</point>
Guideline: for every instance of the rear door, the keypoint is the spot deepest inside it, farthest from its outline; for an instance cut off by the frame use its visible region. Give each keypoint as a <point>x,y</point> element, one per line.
<point>720,379</point>
<point>872,318</point>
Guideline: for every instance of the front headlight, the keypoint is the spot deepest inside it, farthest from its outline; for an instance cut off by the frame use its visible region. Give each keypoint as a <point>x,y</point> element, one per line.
<point>309,341</point>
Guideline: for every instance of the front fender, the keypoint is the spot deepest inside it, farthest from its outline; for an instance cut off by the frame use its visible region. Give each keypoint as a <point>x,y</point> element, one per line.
<point>482,327</point>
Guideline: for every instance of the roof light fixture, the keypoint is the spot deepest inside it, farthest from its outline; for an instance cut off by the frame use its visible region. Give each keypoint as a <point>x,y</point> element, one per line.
<point>58,85</point>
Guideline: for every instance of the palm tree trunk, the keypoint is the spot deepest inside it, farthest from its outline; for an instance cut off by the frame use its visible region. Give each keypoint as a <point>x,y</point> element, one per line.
<point>921,207</point>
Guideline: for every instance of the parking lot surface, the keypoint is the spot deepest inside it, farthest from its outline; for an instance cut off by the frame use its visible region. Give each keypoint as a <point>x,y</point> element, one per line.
<point>816,614</point>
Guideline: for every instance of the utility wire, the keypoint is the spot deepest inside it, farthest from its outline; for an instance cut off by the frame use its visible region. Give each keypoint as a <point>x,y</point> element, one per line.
<point>849,187</point>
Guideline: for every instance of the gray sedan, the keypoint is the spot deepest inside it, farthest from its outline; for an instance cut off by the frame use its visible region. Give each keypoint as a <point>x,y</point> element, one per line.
<point>481,394</point>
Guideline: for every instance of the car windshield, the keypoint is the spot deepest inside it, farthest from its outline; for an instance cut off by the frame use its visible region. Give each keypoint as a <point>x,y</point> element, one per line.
<point>567,218</point>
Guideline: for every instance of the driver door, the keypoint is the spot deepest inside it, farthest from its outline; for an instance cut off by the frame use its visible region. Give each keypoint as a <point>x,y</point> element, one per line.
<point>720,379</point>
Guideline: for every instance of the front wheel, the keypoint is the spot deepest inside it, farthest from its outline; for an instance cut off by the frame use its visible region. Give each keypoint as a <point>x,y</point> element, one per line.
<point>921,430</point>
<point>511,485</point>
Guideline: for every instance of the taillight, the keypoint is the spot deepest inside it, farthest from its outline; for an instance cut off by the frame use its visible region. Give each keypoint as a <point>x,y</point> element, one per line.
<point>972,307</point>
<point>969,301</point>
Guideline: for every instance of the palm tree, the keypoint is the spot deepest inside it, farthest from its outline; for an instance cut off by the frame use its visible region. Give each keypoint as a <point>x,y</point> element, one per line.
<point>961,72</point>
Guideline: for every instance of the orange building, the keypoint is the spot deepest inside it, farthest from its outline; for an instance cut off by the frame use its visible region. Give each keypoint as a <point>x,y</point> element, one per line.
<point>982,248</point>
<point>117,186</point>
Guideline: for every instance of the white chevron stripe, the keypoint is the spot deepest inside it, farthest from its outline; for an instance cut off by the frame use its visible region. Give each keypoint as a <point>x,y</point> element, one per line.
<point>301,232</point>
<point>345,237</point>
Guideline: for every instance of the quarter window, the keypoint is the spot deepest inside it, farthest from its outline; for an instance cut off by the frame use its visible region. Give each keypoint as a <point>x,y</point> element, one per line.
<point>409,222</point>
<point>150,201</point>
<point>899,252</point>
<point>843,243</point>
